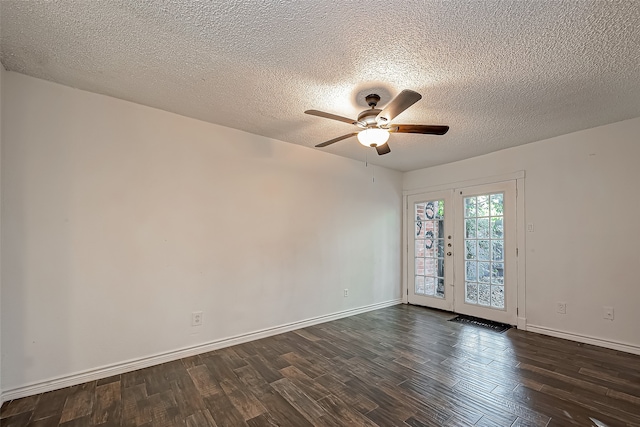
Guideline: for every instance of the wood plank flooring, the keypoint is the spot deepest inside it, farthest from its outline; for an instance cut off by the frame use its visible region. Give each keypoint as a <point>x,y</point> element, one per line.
<point>399,366</point>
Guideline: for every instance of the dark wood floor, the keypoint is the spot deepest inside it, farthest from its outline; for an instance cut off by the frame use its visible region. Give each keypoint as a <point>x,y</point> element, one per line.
<point>399,366</point>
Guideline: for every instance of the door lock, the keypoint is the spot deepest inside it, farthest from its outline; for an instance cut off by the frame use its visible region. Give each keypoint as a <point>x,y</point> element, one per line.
<point>448,253</point>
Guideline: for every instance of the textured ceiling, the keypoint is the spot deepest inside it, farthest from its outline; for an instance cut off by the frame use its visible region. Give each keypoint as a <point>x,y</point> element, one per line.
<point>500,74</point>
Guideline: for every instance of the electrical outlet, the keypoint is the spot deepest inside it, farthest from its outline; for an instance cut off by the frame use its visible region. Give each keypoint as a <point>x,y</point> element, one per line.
<point>561,308</point>
<point>346,293</point>
<point>196,318</point>
<point>607,313</point>
<point>530,228</point>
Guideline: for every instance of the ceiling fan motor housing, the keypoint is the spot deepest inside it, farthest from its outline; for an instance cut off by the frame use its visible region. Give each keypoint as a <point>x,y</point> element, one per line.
<point>367,118</point>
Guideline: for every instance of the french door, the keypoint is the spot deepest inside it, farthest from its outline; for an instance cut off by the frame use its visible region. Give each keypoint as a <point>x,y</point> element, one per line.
<point>430,227</point>
<point>486,268</point>
<point>462,251</point>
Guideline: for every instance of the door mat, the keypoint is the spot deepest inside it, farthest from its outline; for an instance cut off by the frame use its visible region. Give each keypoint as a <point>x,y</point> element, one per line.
<point>476,321</point>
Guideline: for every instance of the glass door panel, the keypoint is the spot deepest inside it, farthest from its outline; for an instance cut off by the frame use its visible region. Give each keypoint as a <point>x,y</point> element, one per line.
<point>486,276</point>
<point>430,245</point>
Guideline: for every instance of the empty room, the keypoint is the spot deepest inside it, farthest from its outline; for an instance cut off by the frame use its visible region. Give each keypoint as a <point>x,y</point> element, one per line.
<point>319,213</point>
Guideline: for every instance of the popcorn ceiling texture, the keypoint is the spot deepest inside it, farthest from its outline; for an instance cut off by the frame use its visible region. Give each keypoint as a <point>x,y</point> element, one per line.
<point>501,74</point>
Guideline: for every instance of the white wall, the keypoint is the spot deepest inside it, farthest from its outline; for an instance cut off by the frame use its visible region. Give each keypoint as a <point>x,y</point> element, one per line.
<point>582,197</point>
<point>119,220</point>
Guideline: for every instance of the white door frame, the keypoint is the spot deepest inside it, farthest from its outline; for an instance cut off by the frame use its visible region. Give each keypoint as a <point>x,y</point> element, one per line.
<point>519,177</point>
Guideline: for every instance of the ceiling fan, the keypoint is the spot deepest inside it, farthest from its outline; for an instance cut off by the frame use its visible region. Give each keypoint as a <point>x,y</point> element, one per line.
<point>376,124</point>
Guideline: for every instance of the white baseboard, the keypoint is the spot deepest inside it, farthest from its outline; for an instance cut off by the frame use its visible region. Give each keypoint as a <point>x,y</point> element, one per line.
<point>614,345</point>
<point>521,323</point>
<point>145,362</point>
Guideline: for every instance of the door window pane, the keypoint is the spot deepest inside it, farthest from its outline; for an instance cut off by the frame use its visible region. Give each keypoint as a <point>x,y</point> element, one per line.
<point>470,246</point>
<point>470,228</point>
<point>497,296</point>
<point>471,271</point>
<point>497,229</point>
<point>440,288</point>
<point>482,206</point>
<point>438,209</point>
<point>430,267</point>
<point>430,246</point>
<point>470,207</point>
<point>484,294</point>
<point>440,267</point>
<point>471,292</point>
<point>483,250</point>
<point>484,274</point>
<point>497,205</point>
<point>497,249</point>
<point>429,286</point>
<point>440,253</point>
<point>419,208</point>
<point>483,228</point>
<point>497,273</point>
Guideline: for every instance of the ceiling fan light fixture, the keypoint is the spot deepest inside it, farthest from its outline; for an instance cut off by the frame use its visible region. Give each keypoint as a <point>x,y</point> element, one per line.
<point>373,137</point>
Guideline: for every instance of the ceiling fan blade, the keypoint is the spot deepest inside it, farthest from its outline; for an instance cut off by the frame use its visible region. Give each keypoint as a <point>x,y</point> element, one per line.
<point>425,129</point>
<point>331,116</point>
<point>340,138</point>
<point>383,149</point>
<point>404,100</point>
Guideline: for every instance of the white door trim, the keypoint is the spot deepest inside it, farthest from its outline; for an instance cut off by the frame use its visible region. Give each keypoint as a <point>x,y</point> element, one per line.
<point>522,255</point>
<point>467,183</point>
